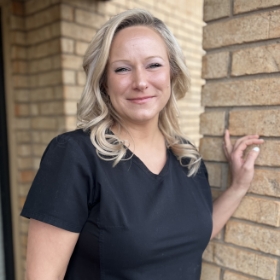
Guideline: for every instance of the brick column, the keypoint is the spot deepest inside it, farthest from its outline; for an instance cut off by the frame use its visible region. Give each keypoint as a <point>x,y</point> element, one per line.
<point>242,93</point>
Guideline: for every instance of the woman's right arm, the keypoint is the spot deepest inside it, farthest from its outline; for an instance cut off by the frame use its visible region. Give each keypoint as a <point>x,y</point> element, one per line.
<point>49,249</point>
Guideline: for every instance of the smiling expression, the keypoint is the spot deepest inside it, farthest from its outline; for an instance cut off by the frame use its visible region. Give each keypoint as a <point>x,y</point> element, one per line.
<point>138,74</point>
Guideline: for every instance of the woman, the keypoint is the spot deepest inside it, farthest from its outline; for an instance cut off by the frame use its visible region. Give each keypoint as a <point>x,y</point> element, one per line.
<point>126,196</point>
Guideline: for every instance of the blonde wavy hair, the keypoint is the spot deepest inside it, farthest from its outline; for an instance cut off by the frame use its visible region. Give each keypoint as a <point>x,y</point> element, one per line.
<point>95,112</point>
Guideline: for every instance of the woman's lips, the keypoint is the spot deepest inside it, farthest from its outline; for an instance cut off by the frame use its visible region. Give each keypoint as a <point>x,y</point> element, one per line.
<point>141,100</point>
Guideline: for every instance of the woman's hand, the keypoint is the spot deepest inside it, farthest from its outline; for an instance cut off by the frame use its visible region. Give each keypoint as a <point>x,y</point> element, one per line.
<point>242,167</point>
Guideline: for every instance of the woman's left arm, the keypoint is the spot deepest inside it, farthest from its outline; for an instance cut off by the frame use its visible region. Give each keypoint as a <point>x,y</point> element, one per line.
<point>242,171</point>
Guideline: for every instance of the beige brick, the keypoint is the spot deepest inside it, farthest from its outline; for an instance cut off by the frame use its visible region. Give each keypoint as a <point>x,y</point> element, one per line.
<point>56,61</point>
<point>229,275</point>
<point>270,153</point>
<point>41,94</point>
<point>18,52</point>
<point>213,123</point>
<point>52,108</point>
<point>72,92</point>
<point>17,23</point>
<point>33,6</point>
<point>21,95</point>
<point>67,45</point>
<point>212,149</point>
<point>22,123</point>
<point>68,77</point>
<point>70,107</point>
<point>43,123</point>
<point>72,61</point>
<point>19,67</point>
<point>24,189</point>
<point>241,6</point>
<point>23,136</point>
<point>81,78</point>
<point>66,12</point>
<point>40,65</point>
<point>80,48</point>
<point>24,150</point>
<point>22,110</point>
<point>47,136</point>
<point>49,78</point>
<point>210,272</point>
<point>242,93</point>
<point>34,109</point>
<point>214,9</point>
<point>42,18</point>
<point>214,173</point>
<point>264,59</point>
<point>262,122</point>
<point>241,30</point>
<point>254,237</point>
<point>70,123</point>
<point>78,32</point>
<point>44,49</point>
<point>215,65</point>
<point>25,163</point>
<point>43,33</point>
<point>266,182</point>
<point>89,18</point>
<point>18,38</point>
<point>259,210</point>
<point>247,262</point>
<point>17,8</point>
<point>26,176</point>
<point>20,81</point>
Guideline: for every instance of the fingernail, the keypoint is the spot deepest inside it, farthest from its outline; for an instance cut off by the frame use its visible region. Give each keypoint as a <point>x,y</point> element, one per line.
<point>256,149</point>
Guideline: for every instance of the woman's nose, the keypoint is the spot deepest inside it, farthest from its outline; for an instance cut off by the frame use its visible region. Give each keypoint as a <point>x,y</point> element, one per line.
<point>140,81</point>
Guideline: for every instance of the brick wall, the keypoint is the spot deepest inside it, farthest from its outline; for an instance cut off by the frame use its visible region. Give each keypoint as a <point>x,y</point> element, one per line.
<point>242,92</point>
<point>46,43</point>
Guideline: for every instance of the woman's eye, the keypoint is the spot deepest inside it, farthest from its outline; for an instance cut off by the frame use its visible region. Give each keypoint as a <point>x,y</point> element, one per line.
<point>121,69</point>
<point>154,65</point>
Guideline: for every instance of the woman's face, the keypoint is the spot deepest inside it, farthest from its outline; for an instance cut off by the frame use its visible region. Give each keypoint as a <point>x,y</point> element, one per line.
<point>138,75</point>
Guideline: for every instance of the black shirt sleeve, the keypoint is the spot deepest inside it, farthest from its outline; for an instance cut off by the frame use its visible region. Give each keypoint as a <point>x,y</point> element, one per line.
<point>60,192</point>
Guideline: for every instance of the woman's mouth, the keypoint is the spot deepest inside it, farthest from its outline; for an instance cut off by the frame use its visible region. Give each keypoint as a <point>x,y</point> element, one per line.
<point>141,100</point>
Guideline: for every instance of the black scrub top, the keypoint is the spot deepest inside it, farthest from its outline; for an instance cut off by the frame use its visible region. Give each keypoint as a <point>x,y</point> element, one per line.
<point>133,224</point>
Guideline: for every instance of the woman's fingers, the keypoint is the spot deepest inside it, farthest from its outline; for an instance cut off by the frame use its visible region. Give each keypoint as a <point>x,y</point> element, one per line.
<point>238,141</point>
<point>243,145</point>
<point>251,158</point>
<point>227,144</point>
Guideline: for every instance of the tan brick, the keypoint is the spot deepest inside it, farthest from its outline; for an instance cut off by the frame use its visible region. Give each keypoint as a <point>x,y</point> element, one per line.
<point>43,123</point>
<point>212,149</point>
<point>241,30</point>
<point>24,189</point>
<point>247,262</point>
<point>214,173</point>
<point>18,38</point>
<point>72,61</point>
<point>215,65</point>
<point>44,33</point>
<point>72,92</point>
<point>20,81</point>
<point>213,123</point>
<point>68,77</point>
<point>25,163</point>
<point>214,9</point>
<point>33,6</point>
<point>262,122</point>
<point>34,109</point>
<point>270,153</point>
<point>41,94</point>
<point>75,31</point>
<point>18,52</point>
<point>229,275</point>
<point>44,49</point>
<point>266,182</point>
<point>21,95</point>
<point>70,107</point>
<point>81,78</point>
<point>56,61</point>
<point>210,272</point>
<point>22,110</point>
<point>89,18</point>
<point>70,123</point>
<point>51,108</point>
<point>80,48</point>
<point>42,18</point>
<point>22,123</point>
<point>26,176</point>
<point>17,8</point>
<point>259,210</point>
<point>242,93</point>
<point>254,237</point>
<point>19,67</point>
<point>23,136</point>
<point>40,65</point>
<point>66,12</point>
<point>49,78</point>
<point>47,136</point>
<point>24,150</point>
<point>17,23</point>
<point>241,6</point>
<point>264,59</point>
<point>67,45</point>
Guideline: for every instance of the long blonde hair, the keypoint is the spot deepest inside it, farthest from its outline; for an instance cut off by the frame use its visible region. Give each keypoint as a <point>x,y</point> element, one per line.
<point>95,112</point>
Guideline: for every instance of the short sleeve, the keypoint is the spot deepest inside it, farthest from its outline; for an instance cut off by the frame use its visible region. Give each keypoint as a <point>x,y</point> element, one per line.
<point>60,192</point>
